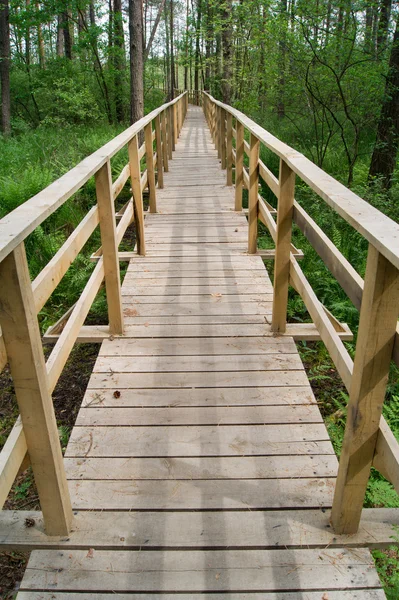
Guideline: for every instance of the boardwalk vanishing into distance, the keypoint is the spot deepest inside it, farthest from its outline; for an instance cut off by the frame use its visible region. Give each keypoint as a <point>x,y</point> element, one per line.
<point>199,465</point>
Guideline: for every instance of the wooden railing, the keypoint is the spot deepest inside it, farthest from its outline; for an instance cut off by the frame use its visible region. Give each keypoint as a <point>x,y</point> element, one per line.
<point>368,441</point>
<point>193,96</point>
<point>35,434</point>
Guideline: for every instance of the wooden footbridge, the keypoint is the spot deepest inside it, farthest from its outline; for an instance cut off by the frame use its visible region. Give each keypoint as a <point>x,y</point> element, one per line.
<point>199,465</point>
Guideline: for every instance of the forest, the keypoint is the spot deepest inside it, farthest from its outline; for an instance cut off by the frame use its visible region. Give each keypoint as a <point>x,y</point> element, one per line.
<point>321,75</point>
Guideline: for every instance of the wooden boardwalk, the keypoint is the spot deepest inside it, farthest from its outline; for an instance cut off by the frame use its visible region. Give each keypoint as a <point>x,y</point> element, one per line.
<point>199,444</point>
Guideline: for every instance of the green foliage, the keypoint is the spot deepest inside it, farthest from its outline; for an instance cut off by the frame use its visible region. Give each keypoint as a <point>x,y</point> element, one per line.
<point>387,562</point>
<point>71,105</point>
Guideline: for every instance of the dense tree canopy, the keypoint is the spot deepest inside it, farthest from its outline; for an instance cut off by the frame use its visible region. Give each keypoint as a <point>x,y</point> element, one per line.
<point>324,73</point>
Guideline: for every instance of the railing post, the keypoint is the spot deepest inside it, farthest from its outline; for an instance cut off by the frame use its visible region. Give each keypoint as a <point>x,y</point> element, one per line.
<point>285,209</point>
<point>218,128</point>
<point>239,179</point>
<point>135,179</point>
<point>25,353</point>
<point>158,142</point>
<point>223,137</point>
<point>253,195</point>
<point>175,125</point>
<point>164,142</point>
<point>377,325</point>
<point>149,159</point>
<point>106,210</point>
<point>170,132</point>
<point>172,129</point>
<point>229,149</point>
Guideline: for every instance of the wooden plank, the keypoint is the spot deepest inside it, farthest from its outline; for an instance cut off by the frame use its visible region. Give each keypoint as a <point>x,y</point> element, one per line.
<point>106,210</point>
<point>198,364</point>
<point>256,396</point>
<point>12,456</point>
<point>149,159</point>
<point>201,494</point>
<point>197,282</point>
<point>204,440</point>
<point>378,322</point>
<point>120,182</point>
<point>386,457</point>
<point>161,312</point>
<point>216,319</point>
<point>164,141</point>
<point>60,353</point>
<point>199,289</point>
<point>135,180</point>
<point>276,529</point>
<point>48,279</point>
<point>196,347</point>
<point>253,195</point>
<point>283,247</point>
<point>158,141</point>
<point>24,350</point>
<point>190,571</point>
<point>276,378</point>
<point>229,149</point>
<point>194,468</point>
<point>330,337</point>
<point>332,595</point>
<point>198,416</point>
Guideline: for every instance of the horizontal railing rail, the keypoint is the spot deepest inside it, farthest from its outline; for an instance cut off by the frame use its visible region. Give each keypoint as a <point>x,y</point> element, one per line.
<point>34,436</point>
<point>368,441</point>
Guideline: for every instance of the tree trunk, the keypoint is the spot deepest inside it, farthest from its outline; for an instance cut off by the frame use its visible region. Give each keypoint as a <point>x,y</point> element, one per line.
<point>154,30</point>
<point>40,40</point>
<point>383,161</point>
<point>119,60</point>
<point>167,57</point>
<point>197,45</point>
<point>281,60</point>
<point>383,25</point>
<point>208,46</point>
<point>227,35</point>
<point>136,60</point>
<point>172,53</point>
<point>186,47</point>
<point>60,36</point>
<point>5,67</point>
<point>27,36</point>
<point>67,36</point>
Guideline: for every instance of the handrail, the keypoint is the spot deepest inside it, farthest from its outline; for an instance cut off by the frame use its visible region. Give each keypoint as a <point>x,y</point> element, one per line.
<point>368,439</point>
<point>376,227</point>
<point>19,223</point>
<point>34,435</point>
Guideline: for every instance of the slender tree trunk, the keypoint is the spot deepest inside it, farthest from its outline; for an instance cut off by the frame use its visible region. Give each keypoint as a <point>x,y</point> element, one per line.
<point>40,40</point>
<point>60,36</point>
<point>136,60</point>
<point>383,25</point>
<point>197,44</point>
<point>154,30</point>
<point>227,35</point>
<point>27,37</point>
<point>5,67</point>
<point>67,35</point>
<point>172,53</point>
<point>383,161</point>
<point>186,47</point>
<point>167,56</point>
<point>119,60</point>
<point>208,45</point>
<point>282,60</point>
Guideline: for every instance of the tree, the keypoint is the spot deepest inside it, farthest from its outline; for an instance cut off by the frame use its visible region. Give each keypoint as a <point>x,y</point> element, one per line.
<point>227,34</point>
<point>5,67</point>
<point>383,160</point>
<point>119,60</point>
<point>136,60</point>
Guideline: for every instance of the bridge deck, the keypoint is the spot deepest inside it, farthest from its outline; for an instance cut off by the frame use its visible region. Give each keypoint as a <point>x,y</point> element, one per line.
<point>199,436</point>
